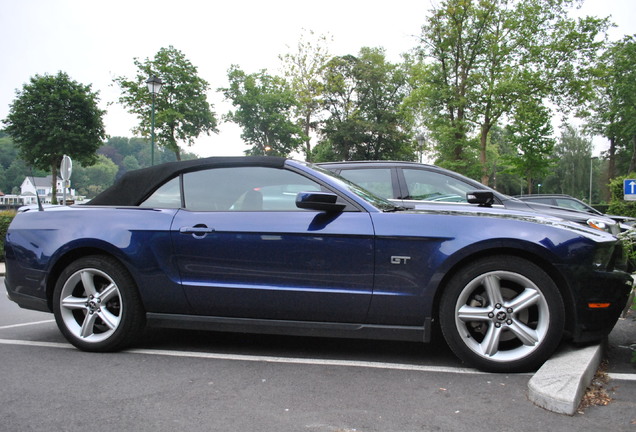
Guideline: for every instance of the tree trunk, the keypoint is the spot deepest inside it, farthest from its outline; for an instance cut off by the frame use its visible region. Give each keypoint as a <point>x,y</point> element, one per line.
<point>53,184</point>
<point>632,163</point>
<point>308,142</point>
<point>611,170</point>
<point>483,142</point>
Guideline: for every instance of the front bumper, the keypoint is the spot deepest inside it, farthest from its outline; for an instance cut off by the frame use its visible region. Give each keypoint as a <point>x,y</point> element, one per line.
<point>602,299</point>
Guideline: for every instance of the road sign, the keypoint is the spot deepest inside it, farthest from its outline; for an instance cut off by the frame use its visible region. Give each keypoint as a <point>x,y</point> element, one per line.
<point>629,189</point>
<point>66,167</point>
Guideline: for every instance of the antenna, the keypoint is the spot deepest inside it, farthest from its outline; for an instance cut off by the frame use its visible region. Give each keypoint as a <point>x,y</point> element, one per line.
<point>37,196</point>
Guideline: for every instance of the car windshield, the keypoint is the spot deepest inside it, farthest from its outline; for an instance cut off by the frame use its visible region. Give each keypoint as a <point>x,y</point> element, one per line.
<point>379,202</point>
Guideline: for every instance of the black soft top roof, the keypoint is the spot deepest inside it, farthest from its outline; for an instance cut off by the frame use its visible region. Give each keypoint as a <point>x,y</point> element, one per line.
<point>135,186</point>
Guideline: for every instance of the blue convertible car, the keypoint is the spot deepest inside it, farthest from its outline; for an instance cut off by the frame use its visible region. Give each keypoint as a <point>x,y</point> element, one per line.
<point>273,245</point>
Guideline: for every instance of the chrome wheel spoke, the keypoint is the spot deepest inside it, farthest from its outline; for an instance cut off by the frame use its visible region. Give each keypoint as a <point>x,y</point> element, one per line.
<point>109,292</point>
<point>88,325</point>
<point>74,303</point>
<point>525,334</point>
<point>492,284</point>
<point>490,344</point>
<point>108,318</point>
<point>88,282</point>
<point>469,313</point>
<point>529,297</point>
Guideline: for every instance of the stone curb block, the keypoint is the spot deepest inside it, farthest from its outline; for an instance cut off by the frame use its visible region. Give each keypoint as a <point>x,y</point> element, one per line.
<point>560,383</point>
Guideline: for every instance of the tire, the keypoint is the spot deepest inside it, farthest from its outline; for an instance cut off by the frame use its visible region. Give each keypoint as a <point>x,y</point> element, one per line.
<point>502,314</point>
<point>97,306</point>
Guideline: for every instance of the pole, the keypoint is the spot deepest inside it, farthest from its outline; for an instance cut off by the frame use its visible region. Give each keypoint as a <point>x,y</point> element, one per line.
<point>152,133</point>
<point>590,200</point>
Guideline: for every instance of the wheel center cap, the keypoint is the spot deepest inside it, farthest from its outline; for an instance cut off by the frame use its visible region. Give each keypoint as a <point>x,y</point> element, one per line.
<point>93,306</point>
<point>501,316</point>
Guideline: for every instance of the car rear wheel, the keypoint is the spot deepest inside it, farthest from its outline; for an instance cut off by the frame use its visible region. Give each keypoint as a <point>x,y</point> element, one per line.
<point>96,305</point>
<point>502,314</point>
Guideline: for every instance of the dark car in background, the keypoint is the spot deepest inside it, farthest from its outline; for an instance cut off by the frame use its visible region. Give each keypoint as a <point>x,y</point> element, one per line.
<point>272,245</point>
<point>569,202</point>
<point>409,184</point>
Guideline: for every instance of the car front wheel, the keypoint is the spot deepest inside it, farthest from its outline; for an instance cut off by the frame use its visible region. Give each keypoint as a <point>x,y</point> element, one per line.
<point>96,305</point>
<point>502,314</point>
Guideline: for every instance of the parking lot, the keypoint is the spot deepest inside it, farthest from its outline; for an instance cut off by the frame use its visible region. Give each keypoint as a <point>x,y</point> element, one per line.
<point>178,380</point>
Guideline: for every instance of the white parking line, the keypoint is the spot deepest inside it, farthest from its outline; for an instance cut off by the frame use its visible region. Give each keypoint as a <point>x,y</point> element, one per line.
<point>35,343</point>
<point>622,377</point>
<point>26,324</point>
<point>287,360</point>
<point>265,359</point>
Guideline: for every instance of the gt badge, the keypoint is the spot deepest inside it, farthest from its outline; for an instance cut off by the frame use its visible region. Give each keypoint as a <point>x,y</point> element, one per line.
<point>400,259</point>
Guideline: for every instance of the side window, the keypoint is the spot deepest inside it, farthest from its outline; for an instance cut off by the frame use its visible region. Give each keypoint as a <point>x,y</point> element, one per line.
<point>575,205</point>
<point>244,189</point>
<point>432,186</point>
<point>376,180</point>
<point>167,196</point>
<point>547,201</point>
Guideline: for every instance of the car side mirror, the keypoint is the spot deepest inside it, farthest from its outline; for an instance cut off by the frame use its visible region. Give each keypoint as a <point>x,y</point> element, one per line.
<point>483,198</point>
<point>321,201</point>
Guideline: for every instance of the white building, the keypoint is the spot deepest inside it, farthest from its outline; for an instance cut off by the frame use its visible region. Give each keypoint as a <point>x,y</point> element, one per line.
<point>43,187</point>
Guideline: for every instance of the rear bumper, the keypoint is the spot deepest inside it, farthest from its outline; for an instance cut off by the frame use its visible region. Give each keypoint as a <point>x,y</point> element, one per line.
<point>26,288</point>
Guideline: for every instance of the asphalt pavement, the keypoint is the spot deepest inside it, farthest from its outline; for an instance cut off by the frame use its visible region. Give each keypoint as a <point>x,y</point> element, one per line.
<point>559,385</point>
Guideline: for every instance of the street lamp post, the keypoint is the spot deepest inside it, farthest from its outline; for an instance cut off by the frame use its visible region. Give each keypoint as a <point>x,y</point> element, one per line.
<point>591,165</point>
<point>154,87</point>
<point>421,139</point>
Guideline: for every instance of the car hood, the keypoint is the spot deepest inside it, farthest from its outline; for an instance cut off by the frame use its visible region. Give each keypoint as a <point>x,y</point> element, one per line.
<point>560,212</point>
<point>511,214</point>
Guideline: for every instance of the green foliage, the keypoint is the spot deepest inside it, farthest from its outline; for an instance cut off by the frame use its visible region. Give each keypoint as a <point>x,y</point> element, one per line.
<point>5,219</point>
<point>182,111</point>
<point>618,205</point>
<point>531,134</point>
<point>89,181</point>
<point>482,60</point>
<point>53,116</point>
<point>612,112</point>
<point>264,107</point>
<point>363,96</point>
<point>571,166</point>
<point>304,69</point>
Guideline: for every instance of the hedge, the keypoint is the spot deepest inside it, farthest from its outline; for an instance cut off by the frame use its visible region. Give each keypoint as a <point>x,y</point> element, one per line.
<point>5,219</point>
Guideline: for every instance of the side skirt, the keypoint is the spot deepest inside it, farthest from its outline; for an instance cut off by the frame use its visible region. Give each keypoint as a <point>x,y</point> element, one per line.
<point>293,328</point>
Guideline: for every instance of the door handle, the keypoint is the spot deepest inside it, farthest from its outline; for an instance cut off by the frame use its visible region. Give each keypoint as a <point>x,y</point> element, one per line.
<point>196,231</point>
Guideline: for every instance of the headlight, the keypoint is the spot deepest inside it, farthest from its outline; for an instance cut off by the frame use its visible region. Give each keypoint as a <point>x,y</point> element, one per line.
<point>603,226</point>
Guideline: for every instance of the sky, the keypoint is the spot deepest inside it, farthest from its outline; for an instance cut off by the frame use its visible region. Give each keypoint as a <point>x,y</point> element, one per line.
<point>95,41</point>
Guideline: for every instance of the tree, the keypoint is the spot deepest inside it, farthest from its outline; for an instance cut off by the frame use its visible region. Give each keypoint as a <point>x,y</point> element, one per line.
<point>531,133</point>
<point>182,111</point>
<point>95,178</point>
<point>264,109</point>
<point>363,96</point>
<point>571,171</point>
<point>484,58</point>
<point>304,70</point>
<point>53,116</point>
<point>612,113</point>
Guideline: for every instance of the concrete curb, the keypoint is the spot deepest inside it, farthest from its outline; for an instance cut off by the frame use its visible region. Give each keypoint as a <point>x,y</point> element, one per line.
<point>559,385</point>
